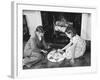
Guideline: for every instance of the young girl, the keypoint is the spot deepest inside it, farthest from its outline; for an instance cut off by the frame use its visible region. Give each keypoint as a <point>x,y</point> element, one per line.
<point>76,47</point>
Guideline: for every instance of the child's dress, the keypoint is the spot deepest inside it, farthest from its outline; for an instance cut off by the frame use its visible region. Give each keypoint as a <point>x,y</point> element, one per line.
<point>78,49</point>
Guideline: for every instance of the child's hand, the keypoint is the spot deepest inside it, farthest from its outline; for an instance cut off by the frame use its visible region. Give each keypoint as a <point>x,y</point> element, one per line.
<point>59,50</point>
<point>44,51</point>
<point>48,47</point>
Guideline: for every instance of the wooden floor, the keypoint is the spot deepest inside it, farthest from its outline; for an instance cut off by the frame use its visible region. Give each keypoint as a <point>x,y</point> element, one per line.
<point>85,60</point>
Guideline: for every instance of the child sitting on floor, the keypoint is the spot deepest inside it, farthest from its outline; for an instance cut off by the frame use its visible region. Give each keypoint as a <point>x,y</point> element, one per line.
<point>76,46</point>
<point>34,48</point>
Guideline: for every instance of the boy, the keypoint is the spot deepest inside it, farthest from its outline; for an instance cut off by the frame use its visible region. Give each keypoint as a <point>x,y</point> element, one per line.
<point>34,47</point>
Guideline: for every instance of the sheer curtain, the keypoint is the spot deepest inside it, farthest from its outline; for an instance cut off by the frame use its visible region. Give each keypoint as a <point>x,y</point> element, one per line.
<point>86,26</point>
<point>33,20</point>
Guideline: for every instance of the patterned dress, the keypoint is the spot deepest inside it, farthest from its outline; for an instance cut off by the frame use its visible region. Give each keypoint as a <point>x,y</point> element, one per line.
<point>78,49</point>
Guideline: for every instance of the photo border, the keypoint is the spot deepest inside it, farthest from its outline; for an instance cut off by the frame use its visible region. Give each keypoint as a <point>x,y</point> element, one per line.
<point>16,66</point>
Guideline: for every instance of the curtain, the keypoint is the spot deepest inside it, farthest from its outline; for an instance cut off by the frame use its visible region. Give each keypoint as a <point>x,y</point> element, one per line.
<point>86,26</point>
<point>33,20</point>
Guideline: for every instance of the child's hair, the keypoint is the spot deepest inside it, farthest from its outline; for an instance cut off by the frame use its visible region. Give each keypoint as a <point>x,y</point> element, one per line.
<point>71,30</point>
<point>40,29</point>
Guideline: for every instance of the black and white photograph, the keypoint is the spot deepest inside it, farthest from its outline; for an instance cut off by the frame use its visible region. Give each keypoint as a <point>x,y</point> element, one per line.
<point>54,39</point>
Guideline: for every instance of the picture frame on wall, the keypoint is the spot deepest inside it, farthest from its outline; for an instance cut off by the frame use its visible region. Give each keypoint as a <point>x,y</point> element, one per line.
<point>52,40</point>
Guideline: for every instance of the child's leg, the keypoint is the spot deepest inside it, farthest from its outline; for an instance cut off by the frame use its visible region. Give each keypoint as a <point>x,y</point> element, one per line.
<point>68,53</point>
<point>72,61</point>
<point>28,61</point>
<point>73,55</point>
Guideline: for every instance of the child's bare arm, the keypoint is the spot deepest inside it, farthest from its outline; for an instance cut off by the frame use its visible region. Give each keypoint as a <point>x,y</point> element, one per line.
<point>68,45</point>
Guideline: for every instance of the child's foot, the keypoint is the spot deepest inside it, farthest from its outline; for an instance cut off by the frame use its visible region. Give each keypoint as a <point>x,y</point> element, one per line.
<point>28,65</point>
<point>72,61</point>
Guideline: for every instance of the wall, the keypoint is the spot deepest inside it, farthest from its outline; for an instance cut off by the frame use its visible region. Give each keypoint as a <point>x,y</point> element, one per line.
<point>5,39</point>
<point>34,20</point>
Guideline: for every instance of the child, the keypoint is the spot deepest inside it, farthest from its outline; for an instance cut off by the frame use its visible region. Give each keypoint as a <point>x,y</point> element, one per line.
<point>34,47</point>
<point>76,47</point>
